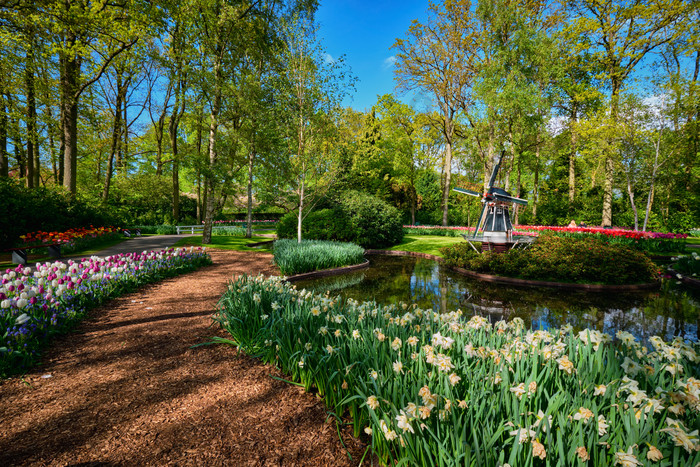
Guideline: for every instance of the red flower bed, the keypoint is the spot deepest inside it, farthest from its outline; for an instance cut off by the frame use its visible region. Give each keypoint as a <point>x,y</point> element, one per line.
<point>68,237</point>
<point>614,232</point>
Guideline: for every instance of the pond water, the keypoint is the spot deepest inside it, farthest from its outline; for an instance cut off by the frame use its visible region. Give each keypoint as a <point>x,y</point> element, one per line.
<point>668,312</point>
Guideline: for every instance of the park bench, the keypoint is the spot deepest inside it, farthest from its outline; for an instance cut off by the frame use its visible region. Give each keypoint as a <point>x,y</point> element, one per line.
<point>189,229</point>
<point>129,233</point>
<point>19,254</point>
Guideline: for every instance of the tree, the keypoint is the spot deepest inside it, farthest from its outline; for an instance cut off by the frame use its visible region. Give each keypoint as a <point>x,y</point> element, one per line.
<point>313,90</point>
<point>434,58</point>
<point>623,33</point>
<point>405,133</point>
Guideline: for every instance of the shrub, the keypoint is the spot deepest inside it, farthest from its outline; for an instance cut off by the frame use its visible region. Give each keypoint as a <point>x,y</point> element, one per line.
<point>374,223</point>
<point>229,231</point>
<point>312,255</point>
<point>27,210</point>
<point>325,224</point>
<point>358,218</point>
<point>554,258</point>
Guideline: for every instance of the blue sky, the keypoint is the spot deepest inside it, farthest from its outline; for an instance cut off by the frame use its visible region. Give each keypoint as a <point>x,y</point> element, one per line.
<point>364,32</point>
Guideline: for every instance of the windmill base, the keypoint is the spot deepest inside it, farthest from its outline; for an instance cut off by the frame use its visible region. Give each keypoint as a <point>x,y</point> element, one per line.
<point>497,247</point>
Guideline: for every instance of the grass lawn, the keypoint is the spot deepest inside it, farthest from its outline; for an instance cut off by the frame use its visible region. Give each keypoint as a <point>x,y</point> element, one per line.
<point>225,242</point>
<point>429,244</point>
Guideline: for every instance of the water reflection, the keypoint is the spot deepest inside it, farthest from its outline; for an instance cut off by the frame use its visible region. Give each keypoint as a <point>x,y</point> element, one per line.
<point>668,313</point>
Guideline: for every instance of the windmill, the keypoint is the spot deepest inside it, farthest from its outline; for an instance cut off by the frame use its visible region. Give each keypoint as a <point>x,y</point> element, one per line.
<point>494,229</point>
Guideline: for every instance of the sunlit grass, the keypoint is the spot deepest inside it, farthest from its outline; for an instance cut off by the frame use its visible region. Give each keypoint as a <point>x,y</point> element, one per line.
<point>227,243</point>
<point>429,244</point>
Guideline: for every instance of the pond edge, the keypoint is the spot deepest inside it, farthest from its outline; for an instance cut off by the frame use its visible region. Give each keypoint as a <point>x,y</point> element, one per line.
<point>328,272</point>
<point>523,282</point>
<point>685,279</point>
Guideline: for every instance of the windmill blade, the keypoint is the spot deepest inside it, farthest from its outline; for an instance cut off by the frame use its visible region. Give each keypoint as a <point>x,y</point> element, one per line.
<point>510,199</point>
<point>467,192</point>
<point>494,173</point>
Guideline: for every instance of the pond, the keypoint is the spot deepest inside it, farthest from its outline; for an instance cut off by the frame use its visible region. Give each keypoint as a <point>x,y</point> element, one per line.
<point>669,312</point>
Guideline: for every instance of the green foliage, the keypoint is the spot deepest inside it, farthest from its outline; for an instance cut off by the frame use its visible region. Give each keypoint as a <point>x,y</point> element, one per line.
<point>324,224</point>
<point>231,231</point>
<point>554,258</point>
<point>164,229</point>
<point>374,223</point>
<point>313,255</point>
<point>655,244</point>
<point>357,218</point>
<point>147,199</point>
<point>439,231</point>
<point>688,264</point>
<point>28,210</point>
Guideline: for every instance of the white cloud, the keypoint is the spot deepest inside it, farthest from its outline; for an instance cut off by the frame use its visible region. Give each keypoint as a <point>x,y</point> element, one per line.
<point>329,58</point>
<point>389,62</point>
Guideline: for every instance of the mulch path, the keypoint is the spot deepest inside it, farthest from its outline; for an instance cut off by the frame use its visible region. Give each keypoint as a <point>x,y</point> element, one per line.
<point>126,388</point>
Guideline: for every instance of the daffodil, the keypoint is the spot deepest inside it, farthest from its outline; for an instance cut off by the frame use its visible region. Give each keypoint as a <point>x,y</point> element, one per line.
<point>654,454</point>
<point>583,414</point>
<point>518,390</point>
<point>538,449</point>
<point>626,459</point>
<point>373,402</point>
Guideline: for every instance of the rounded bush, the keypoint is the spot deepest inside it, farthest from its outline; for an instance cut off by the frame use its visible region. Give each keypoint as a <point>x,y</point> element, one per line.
<point>325,224</point>
<point>357,218</point>
<point>374,223</point>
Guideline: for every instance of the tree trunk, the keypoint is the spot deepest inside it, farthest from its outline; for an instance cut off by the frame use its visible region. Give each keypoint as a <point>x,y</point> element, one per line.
<point>630,192</point>
<point>300,216</point>
<point>572,156</point>
<point>4,160</point>
<point>536,184</point>
<point>198,170</point>
<point>608,192</point>
<point>449,134</point>
<point>609,165</point>
<point>178,111</point>
<point>249,210</point>
<point>116,138</point>
<point>69,84</point>
<point>32,173</point>
<point>209,178</point>
<point>448,179</point>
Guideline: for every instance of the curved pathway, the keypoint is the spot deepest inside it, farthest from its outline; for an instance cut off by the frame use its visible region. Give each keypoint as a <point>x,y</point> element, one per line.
<point>128,388</point>
<point>132,244</point>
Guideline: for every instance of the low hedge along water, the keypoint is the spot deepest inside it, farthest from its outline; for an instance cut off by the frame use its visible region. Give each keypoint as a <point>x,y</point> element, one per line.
<point>555,258</point>
<point>314,255</point>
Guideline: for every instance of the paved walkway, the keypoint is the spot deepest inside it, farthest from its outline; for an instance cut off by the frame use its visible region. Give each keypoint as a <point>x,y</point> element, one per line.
<point>132,244</point>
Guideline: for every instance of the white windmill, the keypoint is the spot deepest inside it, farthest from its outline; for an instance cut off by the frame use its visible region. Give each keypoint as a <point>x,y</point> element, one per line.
<point>494,229</point>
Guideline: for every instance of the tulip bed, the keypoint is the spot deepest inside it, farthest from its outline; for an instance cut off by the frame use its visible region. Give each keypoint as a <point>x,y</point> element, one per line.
<point>449,389</point>
<point>652,242</point>
<point>35,305</point>
<point>73,239</point>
